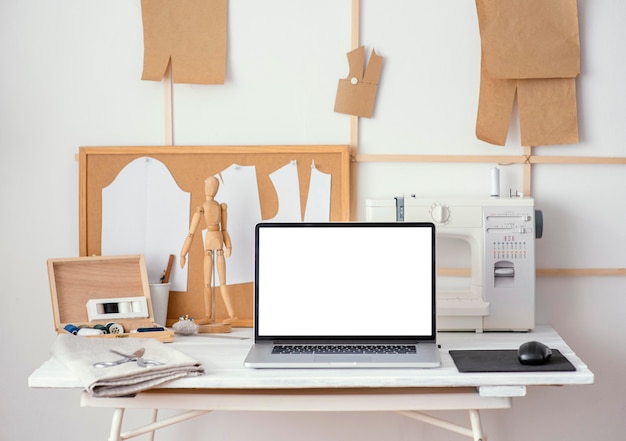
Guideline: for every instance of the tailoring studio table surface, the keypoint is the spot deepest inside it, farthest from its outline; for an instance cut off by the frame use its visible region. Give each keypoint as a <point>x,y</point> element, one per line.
<point>228,385</point>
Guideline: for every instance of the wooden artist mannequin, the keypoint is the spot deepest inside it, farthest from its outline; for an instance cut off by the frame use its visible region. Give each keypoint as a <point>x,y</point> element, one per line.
<point>217,237</point>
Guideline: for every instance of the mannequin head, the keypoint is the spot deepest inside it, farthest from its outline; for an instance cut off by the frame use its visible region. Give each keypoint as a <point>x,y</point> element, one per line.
<point>211,185</point>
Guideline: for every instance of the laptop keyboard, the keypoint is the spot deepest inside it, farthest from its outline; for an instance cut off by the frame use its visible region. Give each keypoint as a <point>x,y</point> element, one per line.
<point>344,349</point>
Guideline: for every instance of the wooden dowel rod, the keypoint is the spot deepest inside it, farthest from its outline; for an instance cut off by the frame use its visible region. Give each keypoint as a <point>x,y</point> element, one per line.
<point>454,272</point>
<point>527,173</point>
<point>168,105</point>
<point>440,158</point>
<point>354,148</point>
<point>354,120</point>
<point>581,272</point>
<point>545,272</point>
<point>504,160</point>
<point>356,22</point>
<point>577,160</point>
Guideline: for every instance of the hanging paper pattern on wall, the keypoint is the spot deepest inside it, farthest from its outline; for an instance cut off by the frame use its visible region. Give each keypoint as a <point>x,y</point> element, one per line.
<point>191,34</point>
<point>357,93</point>
<point>144,211</point>
<point>530,48</point>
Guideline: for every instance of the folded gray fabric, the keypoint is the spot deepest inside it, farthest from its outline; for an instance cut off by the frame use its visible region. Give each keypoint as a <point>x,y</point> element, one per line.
<point>80,353</point>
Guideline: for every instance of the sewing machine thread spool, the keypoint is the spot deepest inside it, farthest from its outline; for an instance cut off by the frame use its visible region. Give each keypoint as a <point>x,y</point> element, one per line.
<point>495,182</point>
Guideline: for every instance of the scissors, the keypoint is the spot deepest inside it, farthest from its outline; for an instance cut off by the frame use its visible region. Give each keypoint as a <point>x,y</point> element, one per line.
<point>136,356</point>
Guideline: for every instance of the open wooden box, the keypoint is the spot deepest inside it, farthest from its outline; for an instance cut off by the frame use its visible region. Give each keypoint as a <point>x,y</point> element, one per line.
<point>76,281</point>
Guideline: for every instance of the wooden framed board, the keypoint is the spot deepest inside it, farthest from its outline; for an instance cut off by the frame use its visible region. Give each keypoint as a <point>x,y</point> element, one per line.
<point>190,166</point>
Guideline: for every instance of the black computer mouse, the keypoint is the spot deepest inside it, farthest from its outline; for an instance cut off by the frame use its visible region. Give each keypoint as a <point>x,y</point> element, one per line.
<point>533,353</point>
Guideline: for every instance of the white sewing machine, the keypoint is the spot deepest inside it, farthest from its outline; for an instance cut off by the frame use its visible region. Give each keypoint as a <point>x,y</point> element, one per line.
<point>501,236</point>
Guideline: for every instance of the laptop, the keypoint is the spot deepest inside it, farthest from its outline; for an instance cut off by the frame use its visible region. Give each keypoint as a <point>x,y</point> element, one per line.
<point>344,295</point>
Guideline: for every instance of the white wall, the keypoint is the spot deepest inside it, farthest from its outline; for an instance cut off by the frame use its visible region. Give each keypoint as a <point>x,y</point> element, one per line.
<point>70,77</point>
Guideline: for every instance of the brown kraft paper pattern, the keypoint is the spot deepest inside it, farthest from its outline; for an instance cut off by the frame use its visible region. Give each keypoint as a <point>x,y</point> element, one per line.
<point>530,48</point>
<point>357,93</point>
<point>190,33</point>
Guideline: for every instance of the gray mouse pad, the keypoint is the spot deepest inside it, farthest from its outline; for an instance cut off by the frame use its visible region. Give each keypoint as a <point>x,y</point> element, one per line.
<point>495,360</point>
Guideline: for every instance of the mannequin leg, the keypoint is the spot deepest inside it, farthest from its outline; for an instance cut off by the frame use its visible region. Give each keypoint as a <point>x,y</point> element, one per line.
<point>208,291</point>
<point>221,271</point>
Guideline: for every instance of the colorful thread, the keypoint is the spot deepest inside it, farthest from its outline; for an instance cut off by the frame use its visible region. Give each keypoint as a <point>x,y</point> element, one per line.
<point>89,331</point>
<point>102,328</point>
<point>71,328</point>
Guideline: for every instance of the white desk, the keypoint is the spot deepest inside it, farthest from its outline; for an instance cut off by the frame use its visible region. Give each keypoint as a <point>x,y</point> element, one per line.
<point>228,385</point>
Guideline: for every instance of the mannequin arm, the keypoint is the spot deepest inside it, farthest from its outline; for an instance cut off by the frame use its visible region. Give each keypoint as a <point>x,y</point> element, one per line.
<point>193,226</point>
<point>226,236</point>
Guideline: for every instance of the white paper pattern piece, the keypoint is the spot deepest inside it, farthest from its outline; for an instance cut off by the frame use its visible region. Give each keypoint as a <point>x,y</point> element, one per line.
<point>145,212</point>
<point>318,200</point>
<point>287,186</point>
<point>240,191</point>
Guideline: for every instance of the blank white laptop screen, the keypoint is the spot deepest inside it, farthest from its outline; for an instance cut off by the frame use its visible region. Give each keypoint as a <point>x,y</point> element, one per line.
<point>345,280</point>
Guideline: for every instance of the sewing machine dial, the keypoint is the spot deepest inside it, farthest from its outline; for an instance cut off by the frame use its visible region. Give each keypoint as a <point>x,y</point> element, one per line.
<point>440,213</point>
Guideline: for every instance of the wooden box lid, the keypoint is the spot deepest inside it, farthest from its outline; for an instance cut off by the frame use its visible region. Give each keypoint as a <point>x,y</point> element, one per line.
<point>76,281</point>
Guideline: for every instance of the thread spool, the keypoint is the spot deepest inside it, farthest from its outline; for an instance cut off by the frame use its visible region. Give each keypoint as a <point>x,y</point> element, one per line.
<point>71,328</point>
<point>111,308</point>
<point>125,307</point>
<point>102,328</point>
<point>89,331</point>
<point>114,328</point>
<point>495,182</point>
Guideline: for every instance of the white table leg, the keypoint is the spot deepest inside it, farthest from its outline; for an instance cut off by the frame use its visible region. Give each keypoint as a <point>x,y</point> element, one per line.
<point>155,415</point>
<point>477,429</point>
<point>116,424</point>
<point>153,427</point>
<point>438,422</point>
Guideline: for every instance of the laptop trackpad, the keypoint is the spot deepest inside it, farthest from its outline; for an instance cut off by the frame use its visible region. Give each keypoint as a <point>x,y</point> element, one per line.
<point>341,358</point>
